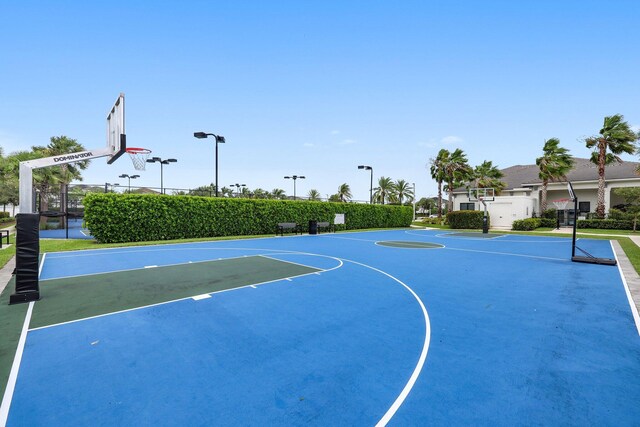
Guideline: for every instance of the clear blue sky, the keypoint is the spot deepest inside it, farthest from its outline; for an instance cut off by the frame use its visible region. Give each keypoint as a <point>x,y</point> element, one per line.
<point>317,87</point>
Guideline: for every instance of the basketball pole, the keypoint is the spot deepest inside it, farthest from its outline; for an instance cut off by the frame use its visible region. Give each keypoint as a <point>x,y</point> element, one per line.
<point>575,226</point>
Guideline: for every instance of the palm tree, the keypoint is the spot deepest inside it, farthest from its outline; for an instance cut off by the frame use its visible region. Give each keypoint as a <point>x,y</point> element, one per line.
<point>313,195</point>
<point>384,189</point>
<point>259,193</point>
<point>403,190</point>
<point>457,171</point>
<point>344,191</point>
<point>617,137</point>
<point>278,193</point>
<point>438,175</point>
<point>486,175</point>
<point>554,165</point>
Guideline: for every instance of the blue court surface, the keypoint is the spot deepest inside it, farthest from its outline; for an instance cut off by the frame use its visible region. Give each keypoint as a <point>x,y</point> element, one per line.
<point>76,231</point>
<point>475,331</point>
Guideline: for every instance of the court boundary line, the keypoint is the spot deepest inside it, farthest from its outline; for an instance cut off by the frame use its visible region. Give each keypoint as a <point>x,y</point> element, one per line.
<point>380,243</point>
<point>191,296</point>
<point>508,254</point>
<point>634,309</point>
<point>15,368</point>
<point>322,270</point>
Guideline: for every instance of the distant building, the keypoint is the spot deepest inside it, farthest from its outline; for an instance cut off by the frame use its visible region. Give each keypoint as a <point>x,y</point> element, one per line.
<point>521,197</point>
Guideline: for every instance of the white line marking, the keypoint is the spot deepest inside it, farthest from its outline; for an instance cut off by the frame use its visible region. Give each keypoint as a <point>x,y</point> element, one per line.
<point>44,255</point>
<point>13,375</point>
<point>288,279</point>
<point>150,266</point>
<point>508,254</point>
<point>254,286</point>
<point>199,297</point>
<point>634,309</point>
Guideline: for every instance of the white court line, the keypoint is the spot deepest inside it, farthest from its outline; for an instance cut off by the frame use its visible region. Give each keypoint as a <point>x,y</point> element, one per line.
<point>348,238</point>
<point>13,375</point>
<point>509,254</point>
<point>634,309</point>
<point>539,238</point>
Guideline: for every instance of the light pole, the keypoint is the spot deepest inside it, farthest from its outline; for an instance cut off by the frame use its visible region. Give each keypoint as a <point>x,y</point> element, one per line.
<point>237,188</point>
<point>369,168</point>
<point>294,178</point>
<point>107,185</point>
<point>162,163</point>
<point>124,175</point>
<point>414,201</point>
<point>219,139</point>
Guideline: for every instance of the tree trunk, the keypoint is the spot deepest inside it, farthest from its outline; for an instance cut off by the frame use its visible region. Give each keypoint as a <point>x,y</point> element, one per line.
<point>440,200</point>
<point>601,182</point>
<point>450,193</point>
<point>543,198</point>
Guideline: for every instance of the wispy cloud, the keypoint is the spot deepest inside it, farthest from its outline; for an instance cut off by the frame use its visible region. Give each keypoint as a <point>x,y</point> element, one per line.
<point>451,139</point>
<point>334,132</point>
<point>348,141</point>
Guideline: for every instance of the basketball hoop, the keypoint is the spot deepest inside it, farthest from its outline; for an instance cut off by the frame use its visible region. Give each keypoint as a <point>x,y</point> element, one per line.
<point>139,157</point>
<point>560,204</point>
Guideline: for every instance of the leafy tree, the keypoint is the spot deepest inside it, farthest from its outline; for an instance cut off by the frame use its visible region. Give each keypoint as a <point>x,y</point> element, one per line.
<point>631,196</point>
<point>438,174</point>
<point>344,192</point>
<point>259,193</point>
<point>456,171</point>
<point>384,189</point>
<point>615,137</point>
<point>314,195</point>
<point>554,165</point>
<point>403,190</point>
<point>426,204</point>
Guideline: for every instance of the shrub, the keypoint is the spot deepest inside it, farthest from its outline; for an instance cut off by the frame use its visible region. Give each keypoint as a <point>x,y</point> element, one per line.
<point>550,213</point>
<point>465,219</point>
<point>526,224</point>
<point>606,224</point>
<point>143,217</point>
<point>4,214</point>
<point>548,222</point>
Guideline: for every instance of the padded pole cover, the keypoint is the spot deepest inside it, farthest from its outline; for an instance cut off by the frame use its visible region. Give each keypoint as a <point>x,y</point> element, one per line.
<point>27,257</point>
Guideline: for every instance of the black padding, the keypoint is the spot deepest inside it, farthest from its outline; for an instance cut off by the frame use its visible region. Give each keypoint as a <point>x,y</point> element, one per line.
<point>27,256</point>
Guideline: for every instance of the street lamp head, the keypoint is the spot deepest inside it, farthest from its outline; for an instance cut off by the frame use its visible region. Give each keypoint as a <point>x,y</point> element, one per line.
<point>134,176</point>
<point>200,135</point>
<point>287,177</point>
<point>301,177</point>
<point>220,139</point>
<point>365,167</point>
<point>172,160</point>
<point>124,175</point>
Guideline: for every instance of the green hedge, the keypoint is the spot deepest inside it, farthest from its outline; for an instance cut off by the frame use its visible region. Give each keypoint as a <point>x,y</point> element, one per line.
<point>143,217</point>
<point>4,214</point>
<point>606,224</point>
<point>465,219</point>
<point>526,224</point>
<point>548,222</point>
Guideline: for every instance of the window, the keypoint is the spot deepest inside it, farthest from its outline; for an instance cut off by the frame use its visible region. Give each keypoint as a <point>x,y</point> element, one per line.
<point>584,207</point>
<point>467,206</point>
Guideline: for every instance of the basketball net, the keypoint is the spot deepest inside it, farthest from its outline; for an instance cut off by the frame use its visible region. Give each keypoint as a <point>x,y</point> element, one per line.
<point>560,204</point>
<point>139,157</point>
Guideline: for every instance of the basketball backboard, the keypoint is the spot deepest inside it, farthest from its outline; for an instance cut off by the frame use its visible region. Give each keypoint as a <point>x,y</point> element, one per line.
<point>486,194</point>
<point>116,137</point>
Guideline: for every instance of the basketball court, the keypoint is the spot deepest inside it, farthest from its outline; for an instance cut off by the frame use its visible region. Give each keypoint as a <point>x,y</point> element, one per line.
<point>400,327</point>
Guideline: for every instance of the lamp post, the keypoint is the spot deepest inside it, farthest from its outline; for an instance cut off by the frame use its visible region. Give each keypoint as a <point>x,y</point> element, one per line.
<point>124,175</point>
<point>219,139</point>
<point>162,163</point>
<point>294,178</point>
<point>414,201</point>
<point>369,168</point>
<point>238,188</point>
<point>107,185</point>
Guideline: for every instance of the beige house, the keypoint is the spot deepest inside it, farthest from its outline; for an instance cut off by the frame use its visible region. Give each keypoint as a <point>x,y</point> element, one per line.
<point>521,197</point>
